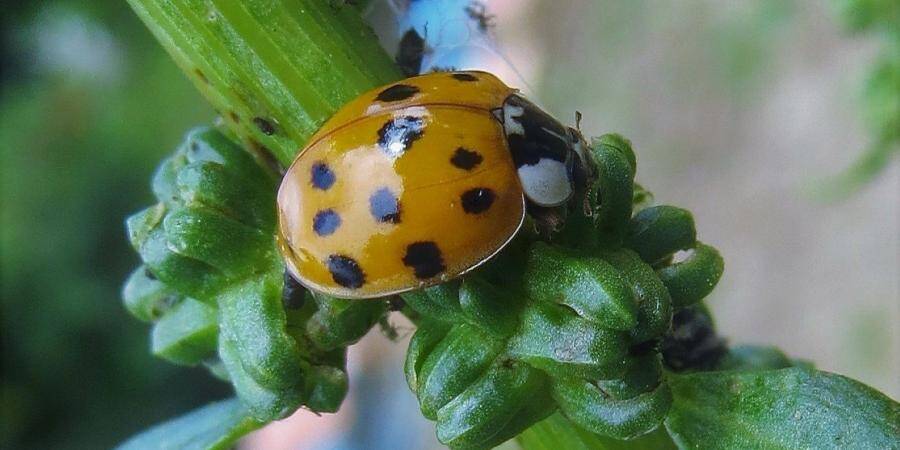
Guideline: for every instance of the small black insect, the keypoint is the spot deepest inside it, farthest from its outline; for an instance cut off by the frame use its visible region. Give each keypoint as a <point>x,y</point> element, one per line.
<point>410,53</point>
<point>264,126</point>
<point>477,11</point>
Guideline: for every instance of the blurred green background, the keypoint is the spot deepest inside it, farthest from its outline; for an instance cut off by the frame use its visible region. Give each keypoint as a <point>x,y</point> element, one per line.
<point>735,108</point>
<point>90,104</point>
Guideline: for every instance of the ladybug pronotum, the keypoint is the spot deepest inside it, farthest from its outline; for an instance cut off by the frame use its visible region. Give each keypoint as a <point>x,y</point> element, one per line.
<point>418,182</point>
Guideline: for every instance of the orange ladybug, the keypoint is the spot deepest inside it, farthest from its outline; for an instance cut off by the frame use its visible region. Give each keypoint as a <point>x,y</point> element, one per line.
<point>418,182</point>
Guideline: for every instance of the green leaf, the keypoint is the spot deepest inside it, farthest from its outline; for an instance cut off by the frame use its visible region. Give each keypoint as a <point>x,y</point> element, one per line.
<point>642,374</point>
<point>486,306</point>
<point>264,403</point>
<point>459,359</point>
<point>145,297</point>
<point>479,413</point>
<point>556,340</point>
<point>556,433</point>
<point>613,192</point>
<point>590,407</point>
<point>654,301</point>
<point>341,322</point>
<point>234,248</point>
<point>252,315</point>
<point>439,302</point>
<point>214,426</point>
<point>657,232</point>
<point>186,334</point>
<point>752,357</point>
<point>592,287</point>
<point>326,388</point>
<point>774,409</point>
<point>692,279</point>
<point>428,336</point>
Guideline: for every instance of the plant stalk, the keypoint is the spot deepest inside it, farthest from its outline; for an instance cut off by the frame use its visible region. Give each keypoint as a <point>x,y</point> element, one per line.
<point>275,70</point>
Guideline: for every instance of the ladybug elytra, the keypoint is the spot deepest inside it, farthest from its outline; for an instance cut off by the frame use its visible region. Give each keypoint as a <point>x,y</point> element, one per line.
<point>418,182</point>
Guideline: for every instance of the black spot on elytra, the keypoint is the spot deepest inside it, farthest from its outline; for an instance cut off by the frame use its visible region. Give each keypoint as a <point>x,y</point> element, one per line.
<point>465,159</point>
<point>321,175</point>
<point>462,76</point>
<point>477,200</point>
<point>345,271</point>
<point>397,92</point>
<point>326,222</point>
<point>398,134</point>
<point>385,206</point>
<point>264,126</point>
<point>234,117</point>
<point>292,294</point>
<point>425,259</point>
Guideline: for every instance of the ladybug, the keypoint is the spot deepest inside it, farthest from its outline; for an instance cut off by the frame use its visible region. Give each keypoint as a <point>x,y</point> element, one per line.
<point>418,182</point>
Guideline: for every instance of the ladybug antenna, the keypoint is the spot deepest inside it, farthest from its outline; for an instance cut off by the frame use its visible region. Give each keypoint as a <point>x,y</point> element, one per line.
<point>578,120</point>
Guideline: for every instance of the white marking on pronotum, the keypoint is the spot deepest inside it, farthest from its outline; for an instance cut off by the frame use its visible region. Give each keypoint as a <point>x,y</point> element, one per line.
<point>510,119</point>
<point>498,114</point>
<point>546,183</point>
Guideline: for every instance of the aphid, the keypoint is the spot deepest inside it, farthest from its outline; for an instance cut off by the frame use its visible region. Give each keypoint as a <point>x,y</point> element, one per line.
<point>478,12</point>
<point>418,182</point>
<point>447,35</point>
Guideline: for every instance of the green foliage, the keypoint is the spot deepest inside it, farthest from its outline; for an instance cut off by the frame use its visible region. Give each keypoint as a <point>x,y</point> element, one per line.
<point>580,321</point>
<point>264,67</point>
<point>215,426</point>
<point>863,15</point>
<point>750,357</point>
<point>881,96</point>
<point>575,325</point>
<point>787,408</point>
<point>592,287</point>
<point>556,432</point>
<point>187,334</point>
<point>212,282</point>
<point>85,119</point>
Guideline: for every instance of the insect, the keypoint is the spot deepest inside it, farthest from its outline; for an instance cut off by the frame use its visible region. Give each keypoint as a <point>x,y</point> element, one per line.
<point>418,182</point>
<point>442,35</point>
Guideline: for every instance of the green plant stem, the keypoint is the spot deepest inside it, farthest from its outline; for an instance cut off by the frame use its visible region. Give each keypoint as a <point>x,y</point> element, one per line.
<point>275,70</point>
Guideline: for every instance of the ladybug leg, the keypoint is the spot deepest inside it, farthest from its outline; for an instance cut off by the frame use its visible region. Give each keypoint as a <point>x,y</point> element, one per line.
<point>293,295</point>
<point>547,220</point>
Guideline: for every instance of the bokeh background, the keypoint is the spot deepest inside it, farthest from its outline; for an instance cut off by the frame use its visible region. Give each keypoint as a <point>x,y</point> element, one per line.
<point>739,111</point>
